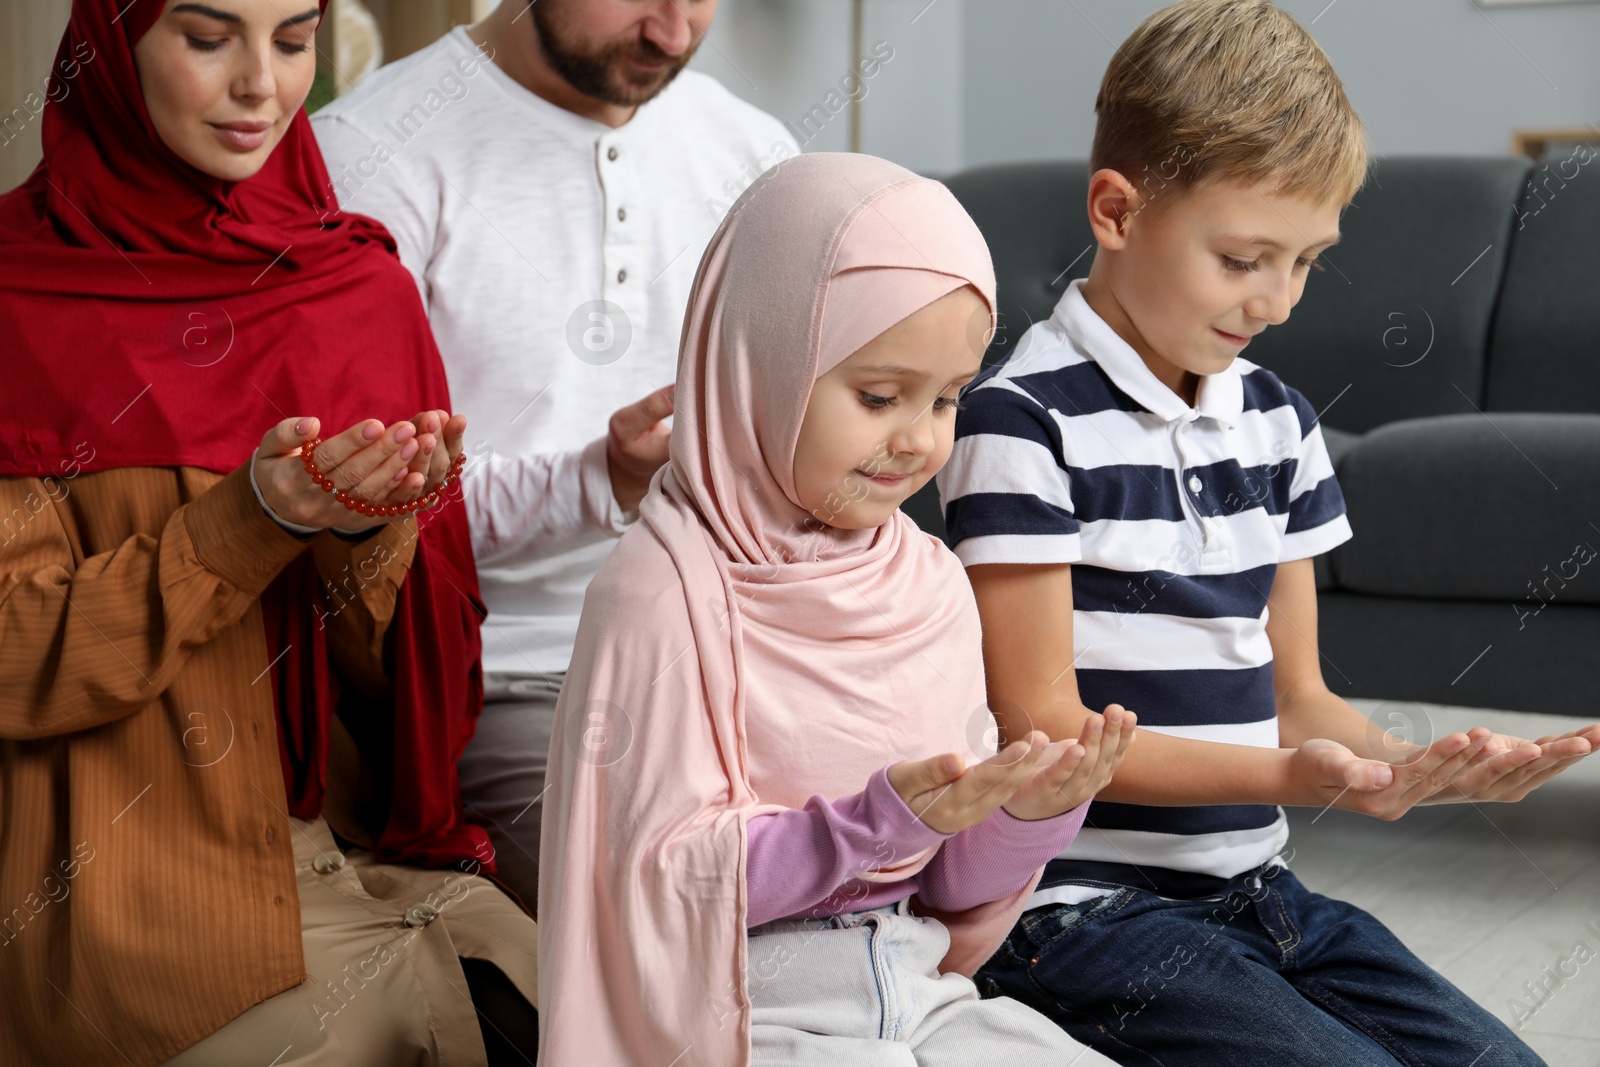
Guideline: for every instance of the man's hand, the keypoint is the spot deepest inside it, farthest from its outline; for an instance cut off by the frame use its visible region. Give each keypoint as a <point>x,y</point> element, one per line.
<point>1083,769</point>
<point>637,446</point>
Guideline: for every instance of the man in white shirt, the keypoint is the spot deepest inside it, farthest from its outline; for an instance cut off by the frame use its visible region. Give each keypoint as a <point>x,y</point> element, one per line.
<point>552,175</point>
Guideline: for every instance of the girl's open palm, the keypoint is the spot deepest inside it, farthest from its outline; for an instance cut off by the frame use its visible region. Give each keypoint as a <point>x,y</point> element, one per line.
<point>949,797</point>
<point>1074,771</point>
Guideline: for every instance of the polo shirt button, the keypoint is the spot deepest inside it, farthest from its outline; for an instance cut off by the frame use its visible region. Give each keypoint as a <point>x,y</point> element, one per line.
<point>611,153</point>
<point>622,214</point>
<point>328,862</point>
<point>622,276</point>
<point>1195,484</point>
<point>271,835</point>
<point>420,915</point>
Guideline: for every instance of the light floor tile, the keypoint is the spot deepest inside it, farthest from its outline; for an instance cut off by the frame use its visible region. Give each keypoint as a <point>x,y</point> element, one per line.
<point>1494,896</point>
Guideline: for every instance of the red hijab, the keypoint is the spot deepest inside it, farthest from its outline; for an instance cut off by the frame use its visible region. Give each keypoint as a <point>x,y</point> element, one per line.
<point>168,319</point>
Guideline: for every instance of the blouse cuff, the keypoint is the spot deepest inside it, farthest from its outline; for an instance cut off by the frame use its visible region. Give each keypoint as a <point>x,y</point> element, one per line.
<point>389,551</point>
<point>234,539</point>
<point>1007,831</point>
<point>900,823</point>
<point>302,532</point>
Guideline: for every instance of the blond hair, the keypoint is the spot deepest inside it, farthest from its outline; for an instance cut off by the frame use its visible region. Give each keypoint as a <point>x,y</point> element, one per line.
<point>1228,89</point>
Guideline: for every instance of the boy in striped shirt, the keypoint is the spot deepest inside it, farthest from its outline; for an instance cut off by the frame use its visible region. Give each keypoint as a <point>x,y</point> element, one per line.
<point>1138,508</point>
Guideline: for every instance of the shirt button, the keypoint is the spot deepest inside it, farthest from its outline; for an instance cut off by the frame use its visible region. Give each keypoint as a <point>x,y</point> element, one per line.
<point>622,214</point>
<point>328,862</point>
<point>611,153</point>
<point>420,915</point>
<point>271,835</point>
<point>277,901</point>
<point>622,275</point>
<point>1194,485</point>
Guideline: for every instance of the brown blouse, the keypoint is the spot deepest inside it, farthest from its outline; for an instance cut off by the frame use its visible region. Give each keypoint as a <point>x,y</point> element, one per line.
<point>147,885</point>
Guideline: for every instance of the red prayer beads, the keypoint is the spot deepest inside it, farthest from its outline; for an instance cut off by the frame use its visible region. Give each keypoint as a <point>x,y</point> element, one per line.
<point>427,500</point>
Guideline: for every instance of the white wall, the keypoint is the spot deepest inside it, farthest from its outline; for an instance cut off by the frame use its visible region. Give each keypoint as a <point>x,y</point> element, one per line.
<point>785,56</point>
<point>986,81</point>
<point>1438,76</point>
<point>30,30</point>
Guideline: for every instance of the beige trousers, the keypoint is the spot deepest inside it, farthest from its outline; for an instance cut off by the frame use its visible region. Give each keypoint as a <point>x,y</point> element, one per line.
<point>382,946</point>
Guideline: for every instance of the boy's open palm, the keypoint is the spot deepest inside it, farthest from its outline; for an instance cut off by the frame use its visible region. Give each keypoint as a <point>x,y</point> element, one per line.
<point>1509,768</point>
<point>1340,779</point>
<point>949,797</point>
<point>1475,766</point>
<point>1082,767</point>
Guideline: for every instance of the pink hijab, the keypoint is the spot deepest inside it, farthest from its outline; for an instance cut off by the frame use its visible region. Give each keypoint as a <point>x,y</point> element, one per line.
<point>657,764</point>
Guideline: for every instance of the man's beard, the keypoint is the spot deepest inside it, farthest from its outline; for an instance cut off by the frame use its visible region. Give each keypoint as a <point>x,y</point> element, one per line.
<point>605,74</point>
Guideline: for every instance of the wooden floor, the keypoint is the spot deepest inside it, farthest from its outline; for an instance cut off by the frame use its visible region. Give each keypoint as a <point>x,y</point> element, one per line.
<point>1503,899</point>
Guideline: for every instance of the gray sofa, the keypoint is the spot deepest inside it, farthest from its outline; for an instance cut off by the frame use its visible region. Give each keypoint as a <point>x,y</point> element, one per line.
<point>1453,347</point>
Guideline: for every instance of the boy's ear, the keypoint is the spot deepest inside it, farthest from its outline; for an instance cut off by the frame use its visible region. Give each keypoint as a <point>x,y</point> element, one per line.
<point>1113,202</point>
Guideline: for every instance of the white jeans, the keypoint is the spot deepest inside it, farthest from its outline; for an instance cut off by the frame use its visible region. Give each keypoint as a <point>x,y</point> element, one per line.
<point>863,988</point>
<point>502,772</point>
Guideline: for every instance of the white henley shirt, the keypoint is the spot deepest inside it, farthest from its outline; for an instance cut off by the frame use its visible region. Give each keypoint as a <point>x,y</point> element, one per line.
<point>555,256</point>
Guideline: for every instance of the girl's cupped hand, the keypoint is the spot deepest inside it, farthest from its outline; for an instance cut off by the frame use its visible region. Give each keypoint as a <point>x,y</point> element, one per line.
<point>949,796</point>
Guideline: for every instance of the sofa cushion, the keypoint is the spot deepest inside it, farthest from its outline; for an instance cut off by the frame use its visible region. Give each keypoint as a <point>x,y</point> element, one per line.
<point>1462,507</point>
<point>1472,652</point>
<point>1396,325</point>
<point>1545,353</point>
<point>1400,315</point>
<point>1339,442</point>
<point>923,507</point>
<point>1035,219</point>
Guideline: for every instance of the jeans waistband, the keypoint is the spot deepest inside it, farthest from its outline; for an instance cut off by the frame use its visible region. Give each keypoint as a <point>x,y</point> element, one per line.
<point>1175,885</point>
<point>843,920</point>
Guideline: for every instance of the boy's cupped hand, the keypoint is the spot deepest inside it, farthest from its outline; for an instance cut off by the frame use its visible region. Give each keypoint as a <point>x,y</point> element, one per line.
<point>1508,768</point>
<point>1332,776</point>
<point>1475,766</point>
<point>1032,778</point>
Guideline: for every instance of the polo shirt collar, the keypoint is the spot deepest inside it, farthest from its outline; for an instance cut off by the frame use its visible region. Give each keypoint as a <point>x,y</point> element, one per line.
<point>1220,396</point>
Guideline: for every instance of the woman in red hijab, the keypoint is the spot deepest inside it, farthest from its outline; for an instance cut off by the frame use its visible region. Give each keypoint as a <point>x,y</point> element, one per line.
<point>209,665</point>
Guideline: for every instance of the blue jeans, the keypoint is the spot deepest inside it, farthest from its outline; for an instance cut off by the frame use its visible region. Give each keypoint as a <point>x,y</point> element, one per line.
<point>1264,973</point>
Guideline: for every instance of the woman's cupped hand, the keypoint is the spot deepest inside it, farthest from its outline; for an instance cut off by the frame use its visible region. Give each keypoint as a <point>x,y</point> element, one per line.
<point>376,464</point>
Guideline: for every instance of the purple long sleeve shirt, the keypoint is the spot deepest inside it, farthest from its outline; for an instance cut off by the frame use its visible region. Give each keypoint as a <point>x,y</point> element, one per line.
<point>807,862</point>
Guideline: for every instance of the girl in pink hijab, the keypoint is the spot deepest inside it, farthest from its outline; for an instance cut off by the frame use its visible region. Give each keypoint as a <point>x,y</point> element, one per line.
<point>776,829</point>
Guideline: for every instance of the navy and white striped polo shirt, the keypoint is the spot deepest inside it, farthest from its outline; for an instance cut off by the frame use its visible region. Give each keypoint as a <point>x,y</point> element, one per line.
<point>1175,520</point>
